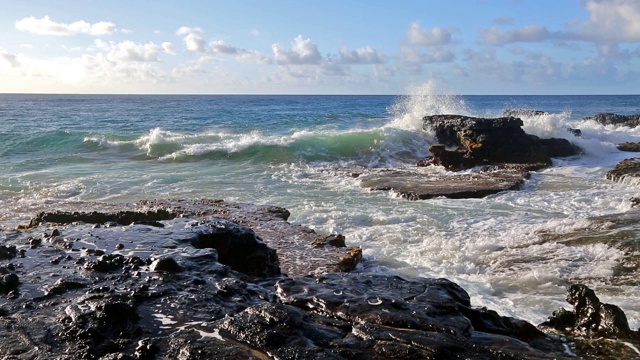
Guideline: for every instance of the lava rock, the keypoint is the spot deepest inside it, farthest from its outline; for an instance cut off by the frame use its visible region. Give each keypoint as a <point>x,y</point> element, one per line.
<point>486,141</point>
<point>629,146</point>
<point>237,246</point>
<point>8,252</point>
<point>590,317</point>
<point>625,170</point>
<point>616,119</point>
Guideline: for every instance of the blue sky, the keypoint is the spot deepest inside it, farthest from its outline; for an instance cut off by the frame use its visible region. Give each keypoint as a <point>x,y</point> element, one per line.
<point>320,47</point>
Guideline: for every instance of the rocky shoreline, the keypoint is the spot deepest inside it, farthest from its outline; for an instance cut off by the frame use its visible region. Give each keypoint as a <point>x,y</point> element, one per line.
<point>205,279</point>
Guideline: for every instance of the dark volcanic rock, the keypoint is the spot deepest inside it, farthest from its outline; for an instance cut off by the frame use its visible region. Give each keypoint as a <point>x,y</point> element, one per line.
<point>629,146</point>
<point>615,119</point>
<point>481,141</point>
<point>238,247</point>
<point>625,170</point>
<point>387,317</point>
<point>7,252</point>
<point>600,330</point>
<point>421,185</point>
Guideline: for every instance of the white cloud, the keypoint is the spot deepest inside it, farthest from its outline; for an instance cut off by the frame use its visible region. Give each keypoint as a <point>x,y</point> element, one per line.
<point>126,31</point>
<point>46,26</point>
<point>193,39</point>
<point>26,46</point>
<point>208,59</point>
<point>612,20</point>
<point>219,47</point>
<point>532,33</point>
<point>254,57</point>
<point>303,52</point>
<point>168,48</point>
<point>364,55</point>
<point>100,44</point>
<point>416,35</point>
<point>255,32</point>
<point>130,51</point>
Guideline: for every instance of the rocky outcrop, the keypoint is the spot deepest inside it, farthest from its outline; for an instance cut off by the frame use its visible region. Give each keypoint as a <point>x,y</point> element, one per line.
<point>629,146</point>
<point>627,170</point>
<point>480,141</point>
<point>616,120</point>
<point>163,289</point>
<point>599,330</point>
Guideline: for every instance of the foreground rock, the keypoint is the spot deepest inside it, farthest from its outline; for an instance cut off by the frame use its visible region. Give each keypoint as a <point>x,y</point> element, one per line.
<point>627,170</point>
<point>480,141</point>
<point>204,286</point>
<point>601,330</point>
<point>616,120</point>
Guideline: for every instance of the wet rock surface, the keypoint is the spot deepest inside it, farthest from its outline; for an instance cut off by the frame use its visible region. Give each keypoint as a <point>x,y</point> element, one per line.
<point>629,146</point>
<point>627,170</point>
<point>418,184</point>
<point>490,141</point>
<point>616,119</point>
<point>145,291</point>
<point>599,329</point>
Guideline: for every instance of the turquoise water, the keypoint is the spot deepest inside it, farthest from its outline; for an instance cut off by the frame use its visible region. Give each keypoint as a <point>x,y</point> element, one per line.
<point>70,151</point>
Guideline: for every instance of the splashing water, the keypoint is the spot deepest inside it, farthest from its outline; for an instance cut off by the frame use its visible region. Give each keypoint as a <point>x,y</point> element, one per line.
<point>424,99</point>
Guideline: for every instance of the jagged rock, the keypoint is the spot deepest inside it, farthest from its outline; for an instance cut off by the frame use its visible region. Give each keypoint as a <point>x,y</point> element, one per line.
<point>625,170</point>
<point>7,252</point>
<point>615,119</point>
<point>481,141</point>
<point>629,146</point>
<point>590,317</point>
<point>238,247</point>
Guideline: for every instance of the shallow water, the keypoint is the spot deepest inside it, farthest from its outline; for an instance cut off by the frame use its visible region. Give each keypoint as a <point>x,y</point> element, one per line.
<point>515,252</point>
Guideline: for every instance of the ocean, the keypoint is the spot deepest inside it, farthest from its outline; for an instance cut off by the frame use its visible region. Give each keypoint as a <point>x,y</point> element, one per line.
<point>515,252</point>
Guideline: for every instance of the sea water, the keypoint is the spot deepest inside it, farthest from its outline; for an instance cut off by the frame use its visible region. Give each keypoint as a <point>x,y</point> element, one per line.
<point>515,252</point>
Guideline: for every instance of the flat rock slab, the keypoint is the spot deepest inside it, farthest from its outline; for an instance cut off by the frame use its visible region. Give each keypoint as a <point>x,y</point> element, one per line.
<point>296,245</point>
<point>415,184</point>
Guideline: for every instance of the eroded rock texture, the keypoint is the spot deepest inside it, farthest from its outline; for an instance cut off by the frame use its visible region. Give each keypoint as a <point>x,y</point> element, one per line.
<point>482,141</point>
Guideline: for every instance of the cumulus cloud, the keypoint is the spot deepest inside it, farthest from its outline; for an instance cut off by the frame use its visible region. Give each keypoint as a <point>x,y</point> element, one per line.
<point>532,33</point>
<point>193,39</point>
<point>219,47</point>
<point>168,48</point>
<point>303,52</point>
<point>364,55</point>
<point>254,57</point>
<point>46,26</point>
<point>416,35</point>
<point>130,51</point>
<point>612,20</point>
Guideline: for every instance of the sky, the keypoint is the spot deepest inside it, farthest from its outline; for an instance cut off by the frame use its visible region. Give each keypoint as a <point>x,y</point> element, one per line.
<point>468,47</point>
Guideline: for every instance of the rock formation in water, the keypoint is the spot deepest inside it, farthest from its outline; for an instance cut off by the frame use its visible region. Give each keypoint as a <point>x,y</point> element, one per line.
<point>625,170</point>
<point>481,141</point>
<point>629,146</point>
<point>616,120</point>
<point>599,330</point>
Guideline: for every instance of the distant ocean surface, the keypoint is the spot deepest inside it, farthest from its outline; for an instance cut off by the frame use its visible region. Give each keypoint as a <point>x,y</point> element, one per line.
<point>507,250</point>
